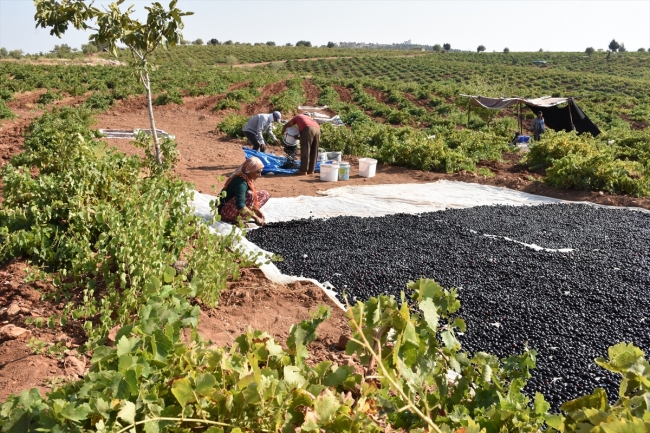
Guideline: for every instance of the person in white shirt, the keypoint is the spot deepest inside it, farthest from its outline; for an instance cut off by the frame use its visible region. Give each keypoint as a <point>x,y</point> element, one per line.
<point>256,127</point>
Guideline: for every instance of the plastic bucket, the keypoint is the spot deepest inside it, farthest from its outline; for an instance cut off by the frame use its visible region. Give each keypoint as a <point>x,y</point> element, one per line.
<point>344,171</point>
<point>367,167</point>
<point>334,156</point>
<point>329,172</point>
<point>322,156</point>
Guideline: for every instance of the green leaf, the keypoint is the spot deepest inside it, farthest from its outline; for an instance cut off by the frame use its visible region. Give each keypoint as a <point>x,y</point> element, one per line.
<point>293,377</point>
<point>410,337</point>
<point>321,368</point>
<point>597,400</point>
<point>169,274</point>
<point>127,413</point>
<point>326,405</point>
<point>430,313</point>
<point>205,384</point>
<point>338,376</point>
<point>182,390</point>
<point>126,345</point>
<point>554,421</point>
<point>449,340</point>
<point>625,426</point>
<point>75,413</point>
<point>540,406</point>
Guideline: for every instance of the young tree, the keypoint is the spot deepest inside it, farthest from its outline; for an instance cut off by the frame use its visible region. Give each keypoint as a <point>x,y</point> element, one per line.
<point>331,44</point>
<point>3,53</point>
<point>506,50</point>
<point>613,45</point>
<point>437,48</point>
<point>214,42</point>
<point>199,41</point>
<point>89,49</point>
<point>231,61</point>
<point>270,44</point>
<point>112,26</point>
<point>480,49</point>
<point>16,54</point>
<point>446,47</point>
<point>288,44</point>
<point>589,51</point>
<point>621,48</point>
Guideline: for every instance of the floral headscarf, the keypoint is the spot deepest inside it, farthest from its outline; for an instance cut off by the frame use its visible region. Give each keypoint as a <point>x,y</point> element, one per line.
<point>252,164</point>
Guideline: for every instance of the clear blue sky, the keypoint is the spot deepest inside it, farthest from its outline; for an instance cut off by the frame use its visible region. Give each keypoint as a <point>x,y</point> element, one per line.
<point>521,25</point>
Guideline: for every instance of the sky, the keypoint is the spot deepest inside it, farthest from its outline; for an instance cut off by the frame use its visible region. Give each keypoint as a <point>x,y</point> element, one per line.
<point>520,25</point>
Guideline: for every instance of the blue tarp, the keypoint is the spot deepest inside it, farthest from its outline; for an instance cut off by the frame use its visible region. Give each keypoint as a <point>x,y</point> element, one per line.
<point>272,163</point>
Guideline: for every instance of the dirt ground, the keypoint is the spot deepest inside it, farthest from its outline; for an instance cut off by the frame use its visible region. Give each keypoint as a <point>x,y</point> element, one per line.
<point>205,155</point>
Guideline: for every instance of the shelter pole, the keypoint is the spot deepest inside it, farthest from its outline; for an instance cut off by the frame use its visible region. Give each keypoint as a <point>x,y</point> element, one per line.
<point>519,121</point>
<point>573,128</point>
<point>469,109</point>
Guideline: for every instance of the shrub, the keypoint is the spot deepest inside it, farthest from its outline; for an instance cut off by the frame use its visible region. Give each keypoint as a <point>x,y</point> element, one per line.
<point>232,125</point>
<point>49,97</point>
<point>170,97</point>
<point>99,101</point>
<point>5,112</point>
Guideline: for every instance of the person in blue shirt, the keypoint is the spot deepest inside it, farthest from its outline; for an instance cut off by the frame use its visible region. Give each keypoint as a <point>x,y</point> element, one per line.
<point>256,127</point>
<point>537,127</point>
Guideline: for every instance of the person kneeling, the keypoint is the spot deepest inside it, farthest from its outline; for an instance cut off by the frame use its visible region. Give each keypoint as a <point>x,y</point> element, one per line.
<point>242,198</point>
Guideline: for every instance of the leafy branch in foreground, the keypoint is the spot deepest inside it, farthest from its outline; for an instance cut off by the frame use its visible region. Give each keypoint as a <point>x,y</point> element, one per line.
<point>423,382</point>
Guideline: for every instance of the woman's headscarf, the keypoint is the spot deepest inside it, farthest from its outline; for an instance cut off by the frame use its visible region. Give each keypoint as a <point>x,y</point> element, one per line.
<point>252,164</point>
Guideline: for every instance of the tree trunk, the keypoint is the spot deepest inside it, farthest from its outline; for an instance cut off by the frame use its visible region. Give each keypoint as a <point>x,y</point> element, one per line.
<point>156,145</point>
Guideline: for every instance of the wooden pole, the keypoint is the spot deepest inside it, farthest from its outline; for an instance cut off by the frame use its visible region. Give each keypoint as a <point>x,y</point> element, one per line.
<point>520,121</point>
<point>573,128</point>
<point>469,110</point>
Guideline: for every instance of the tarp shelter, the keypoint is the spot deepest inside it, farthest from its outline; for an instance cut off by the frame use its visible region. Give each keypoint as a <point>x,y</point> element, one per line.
<point>566,118</point>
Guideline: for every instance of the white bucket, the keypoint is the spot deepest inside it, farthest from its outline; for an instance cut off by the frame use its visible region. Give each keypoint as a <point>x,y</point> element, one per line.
<point>322,157</point>
<point>291,136</point>
<point>367,167</point>
<point>334,156</point>
<point>329,172</point>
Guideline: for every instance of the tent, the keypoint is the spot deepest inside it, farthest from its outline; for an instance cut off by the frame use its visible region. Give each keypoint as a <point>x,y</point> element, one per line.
<point>567,118</point>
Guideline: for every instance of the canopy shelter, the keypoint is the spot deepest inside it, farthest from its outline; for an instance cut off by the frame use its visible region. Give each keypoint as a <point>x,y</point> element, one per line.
<point>567,118</point>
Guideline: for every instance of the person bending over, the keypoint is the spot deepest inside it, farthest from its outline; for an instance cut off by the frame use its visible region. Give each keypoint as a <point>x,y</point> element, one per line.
<point>242,198</point>
<point>256,127</point>
<point>309,139</point>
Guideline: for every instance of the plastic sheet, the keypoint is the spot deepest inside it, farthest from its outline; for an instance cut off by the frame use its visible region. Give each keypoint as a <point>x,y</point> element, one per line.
<point>273,164</point>
<point>378,200</point>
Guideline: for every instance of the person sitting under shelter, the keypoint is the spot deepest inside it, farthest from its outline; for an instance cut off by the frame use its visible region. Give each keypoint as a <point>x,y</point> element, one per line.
<point>242,198</point>
<point>257,125</point>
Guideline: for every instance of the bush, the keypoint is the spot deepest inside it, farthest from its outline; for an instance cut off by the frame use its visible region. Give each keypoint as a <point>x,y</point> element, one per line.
<point>5,112</point>
<point>170,97</point>
<point>49,97</point>
<point>99,101</point>
<point>232,125</point>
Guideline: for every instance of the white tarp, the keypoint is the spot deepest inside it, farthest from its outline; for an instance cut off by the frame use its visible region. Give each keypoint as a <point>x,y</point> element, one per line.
<point>375,201</point>
<point>379,200</point>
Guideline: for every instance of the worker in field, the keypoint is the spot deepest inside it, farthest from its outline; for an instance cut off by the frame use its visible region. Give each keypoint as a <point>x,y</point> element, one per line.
<point>538,127</point>
<point>309,132</point>
<point>243,200</point>
<point>256,127</point>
